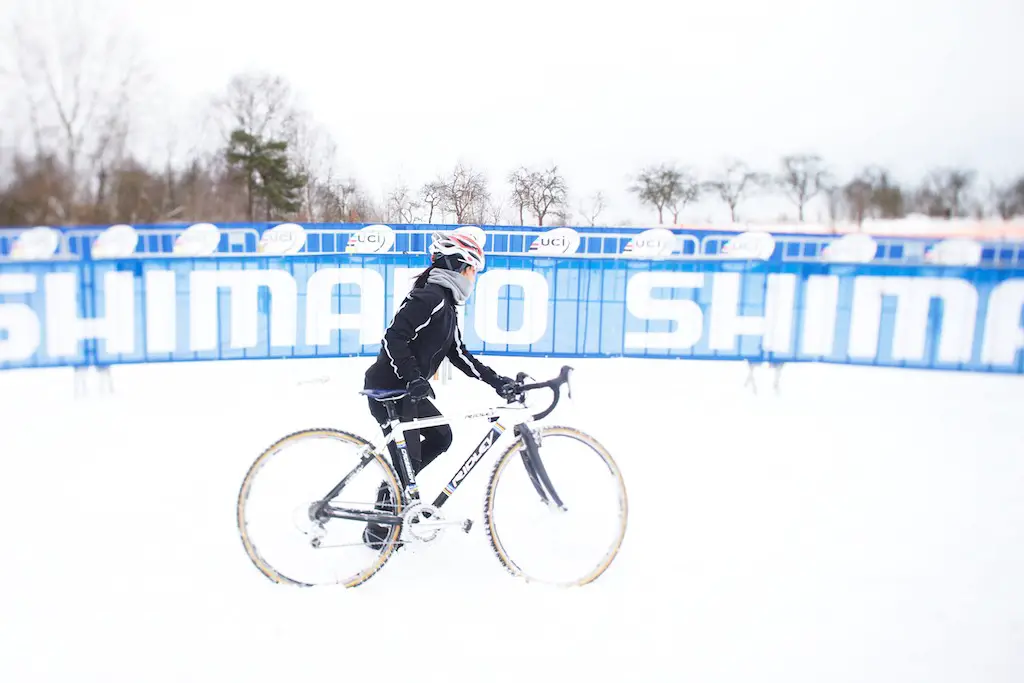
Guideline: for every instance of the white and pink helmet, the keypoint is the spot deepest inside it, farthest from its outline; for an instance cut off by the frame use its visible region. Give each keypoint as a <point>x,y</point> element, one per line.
<point>457,247</point>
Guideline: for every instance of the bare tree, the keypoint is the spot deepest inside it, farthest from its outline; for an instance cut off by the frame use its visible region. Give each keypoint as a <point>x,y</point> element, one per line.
<point>76,82</point>
<point>593,208</point>
<point>650,187</point>
<point>548,192</point>
<point>258,103</point>
<point>432,196</point>
<point>734,182</point>
<point>944,192</point>
<point>661,186</point>
<point>1009,199</point>
<point>466,194</point>
<point>688,191</point>
<point>834,203</point>
<point>561,217</point>
<point>857,194</point>
<point>136,194</point>
<point>521,183</point>
<point>495,211</point>
<point>168,200</point>
<point>26,192</point>
<point>400,206</point>
<point>336,199</point>
<point>314,154</point>
<point>362,208</point>
<point>958,183</point>
<point>887,198</point>
<point>802,178</point>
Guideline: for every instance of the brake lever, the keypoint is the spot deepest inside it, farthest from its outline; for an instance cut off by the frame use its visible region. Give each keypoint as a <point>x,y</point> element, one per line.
<point>554,384</point>
<point>519,395</point>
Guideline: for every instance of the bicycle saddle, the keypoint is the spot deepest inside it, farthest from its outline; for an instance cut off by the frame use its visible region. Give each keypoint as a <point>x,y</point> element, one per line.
<point>384,394</point>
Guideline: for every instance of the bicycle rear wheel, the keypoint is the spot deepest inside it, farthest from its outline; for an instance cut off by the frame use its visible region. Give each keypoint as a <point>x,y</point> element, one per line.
<point>278,532</point>
<point>533,538</point>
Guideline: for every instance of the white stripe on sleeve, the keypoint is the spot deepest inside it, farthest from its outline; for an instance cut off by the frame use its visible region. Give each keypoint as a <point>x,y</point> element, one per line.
<point>458,347</point>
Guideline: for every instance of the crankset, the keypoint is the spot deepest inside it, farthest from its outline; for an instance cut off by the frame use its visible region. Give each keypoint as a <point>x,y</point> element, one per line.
<point>425,522</point>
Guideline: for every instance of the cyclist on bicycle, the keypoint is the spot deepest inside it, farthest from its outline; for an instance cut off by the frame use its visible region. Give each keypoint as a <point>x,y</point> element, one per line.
<point>424,332</point>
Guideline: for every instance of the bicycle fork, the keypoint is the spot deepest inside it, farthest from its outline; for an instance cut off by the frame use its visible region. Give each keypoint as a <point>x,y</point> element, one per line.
<point>535,469</point>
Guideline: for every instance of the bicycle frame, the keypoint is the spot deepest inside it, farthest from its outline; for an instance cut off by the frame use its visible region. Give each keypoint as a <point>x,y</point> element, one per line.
<point>397,434</point>
<point>321,511</point>
<point>398,428</point>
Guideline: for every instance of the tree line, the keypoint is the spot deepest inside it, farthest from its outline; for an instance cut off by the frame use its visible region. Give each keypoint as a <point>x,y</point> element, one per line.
<point>801,178</point>
<point>73,163</point>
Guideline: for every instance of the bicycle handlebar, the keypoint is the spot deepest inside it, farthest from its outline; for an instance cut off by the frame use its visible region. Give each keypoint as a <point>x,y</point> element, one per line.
<point>554,384</point>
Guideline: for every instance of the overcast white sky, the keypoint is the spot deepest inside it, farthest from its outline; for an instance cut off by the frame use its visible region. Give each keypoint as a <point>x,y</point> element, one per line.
<point>602,88</point>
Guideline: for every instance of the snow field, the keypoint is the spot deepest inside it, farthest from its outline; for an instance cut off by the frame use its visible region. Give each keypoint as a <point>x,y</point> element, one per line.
<point>865,525</point>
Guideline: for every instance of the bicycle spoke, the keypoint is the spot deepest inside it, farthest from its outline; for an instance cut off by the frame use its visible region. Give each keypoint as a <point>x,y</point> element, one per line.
<point>276,509</point>
<point>574,546</point>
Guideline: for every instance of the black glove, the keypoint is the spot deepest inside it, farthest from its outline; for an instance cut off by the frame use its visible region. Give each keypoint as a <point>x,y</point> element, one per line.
<point>419,389</point>
<point>504,387</point>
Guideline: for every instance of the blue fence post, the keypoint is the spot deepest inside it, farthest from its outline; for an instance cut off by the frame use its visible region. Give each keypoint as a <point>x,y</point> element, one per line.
<point>87,305</point>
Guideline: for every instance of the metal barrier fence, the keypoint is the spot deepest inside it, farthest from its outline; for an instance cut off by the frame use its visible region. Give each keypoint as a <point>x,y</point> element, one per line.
<point>160,241</point>
<point>227,307</point>
<point>1003,254</point>
<point>234,239</point>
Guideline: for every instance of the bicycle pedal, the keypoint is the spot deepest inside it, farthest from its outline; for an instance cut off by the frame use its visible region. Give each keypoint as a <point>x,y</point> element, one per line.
<point>467,525</point>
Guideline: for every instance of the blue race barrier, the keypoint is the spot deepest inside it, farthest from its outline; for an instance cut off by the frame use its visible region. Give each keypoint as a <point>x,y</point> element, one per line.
<point>229,307</point>
<point>31,320</point>
<point>332,238</point>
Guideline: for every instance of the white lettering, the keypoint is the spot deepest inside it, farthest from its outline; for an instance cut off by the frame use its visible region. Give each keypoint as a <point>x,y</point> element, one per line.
<point>821,298</point>
<point>60,320</point>
<point>1004,336</point>
<point>243,286</point>
<point>534,306</point>
<point>685,313</point>
<point>65,329</point>
<point>161,311</point>
<point>321,320</point>
<point>914,296</point>
<point>474,458</point>
<point>775,327</point>
<point>19,320</point>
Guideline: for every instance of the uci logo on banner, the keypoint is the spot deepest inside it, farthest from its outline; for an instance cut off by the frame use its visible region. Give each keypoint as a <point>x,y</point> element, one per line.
<point>651,243</point>
<point>373,239</point>
<point>556,242</point>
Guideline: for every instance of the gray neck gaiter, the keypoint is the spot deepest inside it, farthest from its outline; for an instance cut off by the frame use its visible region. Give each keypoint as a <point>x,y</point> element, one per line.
<point>459,284</point>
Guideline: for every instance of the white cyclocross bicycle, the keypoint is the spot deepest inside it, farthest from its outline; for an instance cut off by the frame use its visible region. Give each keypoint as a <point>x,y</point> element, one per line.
<point>305,501</point>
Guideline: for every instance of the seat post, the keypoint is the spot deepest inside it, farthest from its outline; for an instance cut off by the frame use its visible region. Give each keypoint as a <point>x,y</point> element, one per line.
<point>392,411</point>
<point>402,463</point>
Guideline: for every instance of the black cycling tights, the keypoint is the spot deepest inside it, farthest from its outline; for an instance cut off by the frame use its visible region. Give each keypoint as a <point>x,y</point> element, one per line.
<point>424,444</point>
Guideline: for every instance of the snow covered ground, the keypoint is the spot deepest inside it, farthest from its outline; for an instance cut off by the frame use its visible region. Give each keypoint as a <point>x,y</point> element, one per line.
<point>866,525</point>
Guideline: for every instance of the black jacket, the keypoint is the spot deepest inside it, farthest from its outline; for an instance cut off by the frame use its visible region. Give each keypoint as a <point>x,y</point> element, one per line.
<point>424,332</point>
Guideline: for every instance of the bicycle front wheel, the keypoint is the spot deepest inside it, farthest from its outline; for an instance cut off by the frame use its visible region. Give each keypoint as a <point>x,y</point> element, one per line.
<point>537,540</point>
<point>279,531</point>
